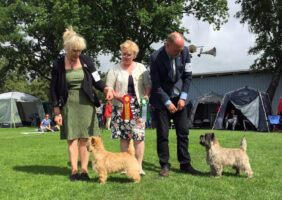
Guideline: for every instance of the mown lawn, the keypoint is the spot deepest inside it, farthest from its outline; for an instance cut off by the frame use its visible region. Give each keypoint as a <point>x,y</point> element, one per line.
<point>36,166</point>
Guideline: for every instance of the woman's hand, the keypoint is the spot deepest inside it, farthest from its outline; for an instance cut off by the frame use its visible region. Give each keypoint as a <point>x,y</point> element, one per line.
<point>109,93</point>
<point>59,119</point>
<point>117,97</point>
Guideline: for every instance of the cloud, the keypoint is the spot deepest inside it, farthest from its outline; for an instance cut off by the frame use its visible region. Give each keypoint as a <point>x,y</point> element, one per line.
<point>232,43</point>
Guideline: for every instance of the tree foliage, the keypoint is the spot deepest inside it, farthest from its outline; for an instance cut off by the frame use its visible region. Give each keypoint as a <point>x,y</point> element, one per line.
<point>31,30</point>
<point>18,82</point>
<point>264,18</point>
<point>148,22</point>
<point>31,33</point>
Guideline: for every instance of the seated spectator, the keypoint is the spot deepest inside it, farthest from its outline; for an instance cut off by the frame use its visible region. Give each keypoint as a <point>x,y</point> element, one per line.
<point>45,124</point>
<point>231,119</point>
<point>56,128</point>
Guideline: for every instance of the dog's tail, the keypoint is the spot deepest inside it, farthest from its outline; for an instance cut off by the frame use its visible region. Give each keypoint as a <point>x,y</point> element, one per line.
<point>243,145</point>
<point>131,149</point>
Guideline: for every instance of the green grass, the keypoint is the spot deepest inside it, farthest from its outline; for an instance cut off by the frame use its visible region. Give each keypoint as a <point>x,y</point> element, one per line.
<point>36,166</point>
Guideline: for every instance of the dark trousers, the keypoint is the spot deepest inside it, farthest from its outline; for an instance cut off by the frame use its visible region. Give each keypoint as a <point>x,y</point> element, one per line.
<point>163,118</point>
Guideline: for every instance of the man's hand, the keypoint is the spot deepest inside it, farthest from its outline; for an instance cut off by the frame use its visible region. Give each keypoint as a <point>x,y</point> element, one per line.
<point>171,108</point>
<point>180,104</point>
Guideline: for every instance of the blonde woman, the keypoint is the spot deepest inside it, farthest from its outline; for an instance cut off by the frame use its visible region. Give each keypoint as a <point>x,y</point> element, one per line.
<point>74,100</point>
<point>129,77</point>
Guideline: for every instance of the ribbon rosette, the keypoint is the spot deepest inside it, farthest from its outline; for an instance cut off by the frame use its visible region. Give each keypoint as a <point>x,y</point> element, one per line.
<point>126,112</point>
<point>144,111</point>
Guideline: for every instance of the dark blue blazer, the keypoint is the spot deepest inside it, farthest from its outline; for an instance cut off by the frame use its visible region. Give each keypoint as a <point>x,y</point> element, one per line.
<point>162,83</point>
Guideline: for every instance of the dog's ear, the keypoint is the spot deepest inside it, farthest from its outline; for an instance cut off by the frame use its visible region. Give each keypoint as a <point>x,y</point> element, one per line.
<point>92,140</point>
<point>212,136</point>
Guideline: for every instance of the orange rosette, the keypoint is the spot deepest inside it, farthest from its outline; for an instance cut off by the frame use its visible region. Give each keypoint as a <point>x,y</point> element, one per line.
<point>126,112</point>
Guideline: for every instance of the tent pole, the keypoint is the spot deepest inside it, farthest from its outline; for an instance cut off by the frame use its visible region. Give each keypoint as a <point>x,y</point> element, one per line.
<point>218,112</point>
<point>266,119</point>
<point>12,114</point>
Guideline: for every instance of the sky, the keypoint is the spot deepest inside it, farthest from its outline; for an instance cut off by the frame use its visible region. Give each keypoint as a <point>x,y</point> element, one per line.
<point>232,43</point>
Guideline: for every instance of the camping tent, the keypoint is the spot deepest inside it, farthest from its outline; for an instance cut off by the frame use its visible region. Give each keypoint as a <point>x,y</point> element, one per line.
<point>18,109</point>
<point>204,110</point>
<point>252,105</point>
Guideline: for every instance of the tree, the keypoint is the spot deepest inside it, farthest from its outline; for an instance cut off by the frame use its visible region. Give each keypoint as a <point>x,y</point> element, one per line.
<point>31,33</point>
<point>31,30</point>
<point>13,81</point>
<point>18,82</point>
<point>264,18</point>
<point>148,22</point>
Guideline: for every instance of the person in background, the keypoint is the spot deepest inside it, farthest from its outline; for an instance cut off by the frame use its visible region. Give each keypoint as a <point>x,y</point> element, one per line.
<point>108,114</point>
<point>56,128</point>
<point>74,100</point>
<point>99,111</point>
<point>129,77</point>
<point>171,75</point>
<point>45,124</point>
<point>231,119</point>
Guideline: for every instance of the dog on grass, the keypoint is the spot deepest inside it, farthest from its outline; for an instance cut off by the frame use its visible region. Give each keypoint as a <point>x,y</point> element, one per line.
<point>104,162</point>
<point>219,157</point>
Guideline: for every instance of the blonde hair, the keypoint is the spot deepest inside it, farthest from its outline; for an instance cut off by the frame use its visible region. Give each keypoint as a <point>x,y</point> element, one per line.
<point>72,40</point>
<point>130,46</point>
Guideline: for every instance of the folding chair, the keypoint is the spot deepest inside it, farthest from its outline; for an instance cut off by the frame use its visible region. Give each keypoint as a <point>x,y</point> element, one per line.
<point>274,120</point>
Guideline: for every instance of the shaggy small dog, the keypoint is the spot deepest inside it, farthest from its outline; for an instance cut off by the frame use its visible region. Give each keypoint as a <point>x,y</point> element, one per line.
<point>218,157</point>
<point>104,162</point>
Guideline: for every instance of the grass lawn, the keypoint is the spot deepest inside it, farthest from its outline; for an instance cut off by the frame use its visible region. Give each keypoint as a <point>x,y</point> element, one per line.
<point>36,166</point>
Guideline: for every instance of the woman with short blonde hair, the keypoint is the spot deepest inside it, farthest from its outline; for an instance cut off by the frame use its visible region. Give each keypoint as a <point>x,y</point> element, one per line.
<point>129,77</point>
<point>128,45</point>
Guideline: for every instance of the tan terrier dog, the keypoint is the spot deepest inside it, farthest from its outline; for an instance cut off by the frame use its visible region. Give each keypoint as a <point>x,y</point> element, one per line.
<point>104,162</point>
<point>218,157</point>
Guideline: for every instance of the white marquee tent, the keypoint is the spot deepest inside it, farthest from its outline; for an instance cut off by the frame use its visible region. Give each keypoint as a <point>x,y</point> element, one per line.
<point>17,109</point>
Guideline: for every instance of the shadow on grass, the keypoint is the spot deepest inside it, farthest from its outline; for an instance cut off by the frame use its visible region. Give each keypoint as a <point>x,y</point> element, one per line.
<point>39,169</point>
<point>114,179</point>
<point>205,174</point>
<point>147,166</point>
<point>208,174</point>
<point>230,174</point>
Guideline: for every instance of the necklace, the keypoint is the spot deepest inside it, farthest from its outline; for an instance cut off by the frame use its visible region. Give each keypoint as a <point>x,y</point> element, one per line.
<point>71,64</point>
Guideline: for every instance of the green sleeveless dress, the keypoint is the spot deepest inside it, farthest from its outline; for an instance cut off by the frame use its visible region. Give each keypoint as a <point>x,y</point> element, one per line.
<point>79,113</point>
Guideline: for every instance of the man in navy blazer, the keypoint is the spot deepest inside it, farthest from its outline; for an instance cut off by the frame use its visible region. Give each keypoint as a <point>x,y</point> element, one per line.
<point>171,74</point>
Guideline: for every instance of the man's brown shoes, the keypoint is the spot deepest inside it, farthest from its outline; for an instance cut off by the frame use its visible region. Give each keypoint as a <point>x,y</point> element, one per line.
<point>164,172</point>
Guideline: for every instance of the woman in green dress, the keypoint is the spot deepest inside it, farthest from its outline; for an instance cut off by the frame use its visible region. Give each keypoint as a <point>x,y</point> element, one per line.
<point>74,100</point>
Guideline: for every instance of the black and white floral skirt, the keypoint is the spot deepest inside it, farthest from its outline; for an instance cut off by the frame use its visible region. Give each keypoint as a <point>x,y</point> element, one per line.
<point>126,129</point>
